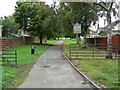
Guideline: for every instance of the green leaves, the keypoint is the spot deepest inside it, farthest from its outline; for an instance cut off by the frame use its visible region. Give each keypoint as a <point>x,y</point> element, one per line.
<point>35,18</point>
<point>9,26</point>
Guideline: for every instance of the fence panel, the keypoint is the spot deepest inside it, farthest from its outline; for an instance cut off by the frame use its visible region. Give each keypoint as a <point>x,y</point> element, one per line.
<point>97,52</point>
<point>9,57</point>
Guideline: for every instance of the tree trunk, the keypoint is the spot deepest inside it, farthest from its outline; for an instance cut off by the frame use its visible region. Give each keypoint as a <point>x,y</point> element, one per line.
<point>109,45</point>
<point>109,39</point>
<point>54,38</point>
<point>40,37</point>
<point>84,41</point>
<point>58,37</point>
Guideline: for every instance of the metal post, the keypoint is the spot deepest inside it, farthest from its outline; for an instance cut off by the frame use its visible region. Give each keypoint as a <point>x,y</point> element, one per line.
<point>77,39</point>
<point>16,58</point>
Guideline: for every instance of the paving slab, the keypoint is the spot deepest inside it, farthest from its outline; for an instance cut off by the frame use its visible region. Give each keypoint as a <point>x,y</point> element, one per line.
<point>52,70</point>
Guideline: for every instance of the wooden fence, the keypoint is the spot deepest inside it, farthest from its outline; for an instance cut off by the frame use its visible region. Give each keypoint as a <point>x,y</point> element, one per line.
<point>103,41</point>
<point>6,43</point>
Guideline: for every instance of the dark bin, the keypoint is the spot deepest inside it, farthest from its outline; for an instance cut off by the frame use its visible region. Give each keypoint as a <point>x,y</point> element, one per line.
<point>32,50</point>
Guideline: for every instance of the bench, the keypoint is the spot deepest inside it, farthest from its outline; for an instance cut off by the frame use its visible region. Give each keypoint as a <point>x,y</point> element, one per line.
<point>9,56</point>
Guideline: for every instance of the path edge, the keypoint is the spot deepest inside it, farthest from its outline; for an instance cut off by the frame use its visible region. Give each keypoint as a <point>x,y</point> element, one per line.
<point>90,81</point>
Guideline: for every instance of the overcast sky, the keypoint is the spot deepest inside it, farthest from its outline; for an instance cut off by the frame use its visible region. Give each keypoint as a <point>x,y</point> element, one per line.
<point>7,6</point>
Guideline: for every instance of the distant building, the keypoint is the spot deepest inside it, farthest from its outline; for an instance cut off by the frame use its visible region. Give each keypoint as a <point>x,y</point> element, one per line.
<point>21,33</point>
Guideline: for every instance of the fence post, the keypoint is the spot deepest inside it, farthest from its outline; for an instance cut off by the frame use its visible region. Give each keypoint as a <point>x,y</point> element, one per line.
<point>93,51</point>
<point>16,58</point>
<point>70,51</point>
<point>76,52</point>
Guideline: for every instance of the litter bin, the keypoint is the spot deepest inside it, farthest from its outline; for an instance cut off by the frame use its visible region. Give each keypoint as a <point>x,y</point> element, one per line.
<point>32,50</point>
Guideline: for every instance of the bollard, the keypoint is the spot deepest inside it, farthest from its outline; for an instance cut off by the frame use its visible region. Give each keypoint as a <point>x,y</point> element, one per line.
<point>32,50</point>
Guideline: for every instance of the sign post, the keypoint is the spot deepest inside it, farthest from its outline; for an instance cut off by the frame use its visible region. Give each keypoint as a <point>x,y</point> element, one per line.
<point>77,30</point>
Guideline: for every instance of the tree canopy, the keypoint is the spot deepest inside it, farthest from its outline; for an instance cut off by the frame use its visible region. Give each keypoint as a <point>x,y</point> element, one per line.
<point>9,26</point>
<point>35,18</point>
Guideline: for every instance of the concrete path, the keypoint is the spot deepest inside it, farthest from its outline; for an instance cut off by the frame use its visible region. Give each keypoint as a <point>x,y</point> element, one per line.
<point>58,73</point>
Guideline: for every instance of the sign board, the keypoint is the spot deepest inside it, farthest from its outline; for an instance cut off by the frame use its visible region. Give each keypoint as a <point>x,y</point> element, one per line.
<point>77,28</point>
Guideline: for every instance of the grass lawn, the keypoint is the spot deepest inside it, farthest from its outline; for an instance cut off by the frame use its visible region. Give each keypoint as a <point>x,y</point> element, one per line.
<point>50,42</point>
<point>13,77</point>
<point>102,71</point>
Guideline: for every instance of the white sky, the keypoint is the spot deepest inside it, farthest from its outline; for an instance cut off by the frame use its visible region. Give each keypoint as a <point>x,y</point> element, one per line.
<point>7,6</point>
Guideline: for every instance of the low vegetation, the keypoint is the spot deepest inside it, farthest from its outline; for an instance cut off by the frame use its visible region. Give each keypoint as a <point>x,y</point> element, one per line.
<point>104,72</point>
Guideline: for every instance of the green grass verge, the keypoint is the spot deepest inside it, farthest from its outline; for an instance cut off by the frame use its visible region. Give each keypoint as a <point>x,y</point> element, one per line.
<point>24,53</point>
<point>102,71</point>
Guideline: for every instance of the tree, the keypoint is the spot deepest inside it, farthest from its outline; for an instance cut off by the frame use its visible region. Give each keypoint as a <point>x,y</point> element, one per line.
<point>9,26</point>
<point>35,18</point>
<point>22,13</point>
<point>65,20</point>
<point>108,9</point>
<point>40,21</point>
<point>83,13</point>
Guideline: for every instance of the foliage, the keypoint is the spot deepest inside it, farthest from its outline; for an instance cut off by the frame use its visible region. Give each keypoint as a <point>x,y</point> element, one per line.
<point>102,33</point>
<point>83,13</point>
<point>22,12</point>
<point>36,18</point>
<point>9,26</point>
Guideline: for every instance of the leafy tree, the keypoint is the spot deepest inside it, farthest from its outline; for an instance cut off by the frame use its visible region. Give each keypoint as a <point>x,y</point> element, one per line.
<point>9,26</point>
<point>83,13</point>
<point>35,18</point>
<point>40,21</point>
<point>66,19</point>
<point>23,10</point>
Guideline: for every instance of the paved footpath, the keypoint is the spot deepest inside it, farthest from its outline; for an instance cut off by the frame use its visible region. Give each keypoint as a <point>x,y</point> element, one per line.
<point>59,74</point>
